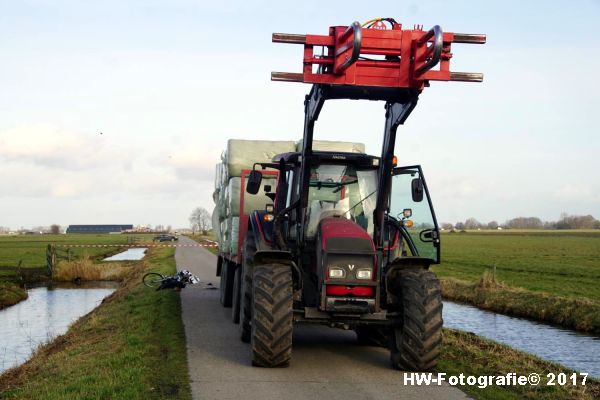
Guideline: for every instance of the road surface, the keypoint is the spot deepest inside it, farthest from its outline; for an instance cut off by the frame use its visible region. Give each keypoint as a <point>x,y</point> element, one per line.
<point>326,363</point>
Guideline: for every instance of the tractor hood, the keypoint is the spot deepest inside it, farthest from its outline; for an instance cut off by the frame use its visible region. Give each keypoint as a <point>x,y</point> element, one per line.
<point>341,234</point>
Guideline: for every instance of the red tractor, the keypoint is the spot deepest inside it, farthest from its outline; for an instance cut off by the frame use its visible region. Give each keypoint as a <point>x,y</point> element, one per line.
<point>349,238</point>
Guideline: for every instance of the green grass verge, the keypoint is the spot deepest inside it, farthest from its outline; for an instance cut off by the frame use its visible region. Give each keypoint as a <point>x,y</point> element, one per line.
<point>471,355</point>
<point>131,347</point>
<point>11,294</point>
<point>202,239</point>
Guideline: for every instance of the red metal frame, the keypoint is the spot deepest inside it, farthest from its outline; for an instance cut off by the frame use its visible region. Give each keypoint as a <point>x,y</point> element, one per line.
<point>243,228</point>
<point>401,54</point>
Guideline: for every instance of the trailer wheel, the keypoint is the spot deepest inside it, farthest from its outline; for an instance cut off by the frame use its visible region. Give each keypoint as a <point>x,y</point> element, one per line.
<point>272,315</point>
<point>246,289</point>
<point>373,336</point>
<point>235,296</point>
<point>226,285</point>
<point>415,345</point>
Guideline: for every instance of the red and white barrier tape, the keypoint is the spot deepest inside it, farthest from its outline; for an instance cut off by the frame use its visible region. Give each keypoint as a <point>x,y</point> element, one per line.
<point>138,245</point>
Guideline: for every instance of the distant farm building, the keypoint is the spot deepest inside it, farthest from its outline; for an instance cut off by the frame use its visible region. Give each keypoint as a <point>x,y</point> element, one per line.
<point>98,228</point>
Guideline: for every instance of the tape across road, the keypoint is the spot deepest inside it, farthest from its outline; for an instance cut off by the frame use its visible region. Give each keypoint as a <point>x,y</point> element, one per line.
<point>139,245</point>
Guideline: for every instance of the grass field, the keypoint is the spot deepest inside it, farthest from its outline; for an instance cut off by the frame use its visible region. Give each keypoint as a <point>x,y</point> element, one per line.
<point>560,263</point>
<point>131,347</point>
<point>31,249</point>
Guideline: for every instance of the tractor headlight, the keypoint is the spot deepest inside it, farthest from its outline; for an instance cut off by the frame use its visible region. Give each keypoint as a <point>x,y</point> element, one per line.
<point>364,273</point>
<point>336,273</point>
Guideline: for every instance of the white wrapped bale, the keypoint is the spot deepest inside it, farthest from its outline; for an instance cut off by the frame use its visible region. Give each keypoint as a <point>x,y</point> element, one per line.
<point>233,203</point>
<point>252,202</point>
<point>225,236</point>
<point>326,145</point>
<point>242,154</point>
<point>216,225</point>
<point>234,226</point>
<point>222,203</point>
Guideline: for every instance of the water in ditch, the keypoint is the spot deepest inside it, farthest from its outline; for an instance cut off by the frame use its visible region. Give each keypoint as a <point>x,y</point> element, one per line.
<point>134,254</point>
<point>572,349</point>
<point>48,312</point>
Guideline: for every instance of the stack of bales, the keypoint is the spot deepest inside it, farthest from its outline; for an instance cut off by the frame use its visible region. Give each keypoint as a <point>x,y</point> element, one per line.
<point>240,154</point>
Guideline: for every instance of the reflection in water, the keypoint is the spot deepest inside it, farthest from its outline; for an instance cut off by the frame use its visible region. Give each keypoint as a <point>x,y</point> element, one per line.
<point>134,254</point>
<point>47,313</point>
<point>569,348</point>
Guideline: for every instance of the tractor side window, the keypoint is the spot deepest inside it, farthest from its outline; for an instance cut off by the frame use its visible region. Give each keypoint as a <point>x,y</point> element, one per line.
<point>416,214</point>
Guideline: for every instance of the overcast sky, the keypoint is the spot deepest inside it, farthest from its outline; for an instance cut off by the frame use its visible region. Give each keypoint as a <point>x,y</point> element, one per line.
<point>116,112</point>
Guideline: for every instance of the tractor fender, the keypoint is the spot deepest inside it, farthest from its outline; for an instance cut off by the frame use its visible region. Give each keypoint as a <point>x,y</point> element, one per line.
<point>283,258</point>
<point>262,230</point>
<point>392,275</point>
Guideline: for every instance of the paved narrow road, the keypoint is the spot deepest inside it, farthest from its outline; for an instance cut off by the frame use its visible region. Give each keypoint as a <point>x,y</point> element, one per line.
<point>327,363</point>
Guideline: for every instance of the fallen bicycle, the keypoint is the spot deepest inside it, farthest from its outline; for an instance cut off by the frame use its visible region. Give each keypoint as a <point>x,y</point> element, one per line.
<point>177,281</point>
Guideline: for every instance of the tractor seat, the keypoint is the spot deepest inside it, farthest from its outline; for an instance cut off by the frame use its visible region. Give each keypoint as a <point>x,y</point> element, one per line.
<point>320,209</point>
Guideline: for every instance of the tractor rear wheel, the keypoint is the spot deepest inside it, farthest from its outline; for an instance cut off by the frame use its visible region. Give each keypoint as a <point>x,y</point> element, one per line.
<point>272,315</point>
<point>415,345</point>
<point>226,285</point>
<point>246,289</point>
<point>235,296</point>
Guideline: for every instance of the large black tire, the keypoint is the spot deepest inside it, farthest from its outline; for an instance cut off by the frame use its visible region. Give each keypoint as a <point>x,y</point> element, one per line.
<point>246,289</point>
<point>415,345</point>
<point>373,336</point>
<point>226,285</point>
<point>235,296</point>
<point>272,315</point>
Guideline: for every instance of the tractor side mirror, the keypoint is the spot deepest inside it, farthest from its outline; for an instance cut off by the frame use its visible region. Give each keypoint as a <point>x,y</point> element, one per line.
<point>254,181</point>
<point>417,190</point>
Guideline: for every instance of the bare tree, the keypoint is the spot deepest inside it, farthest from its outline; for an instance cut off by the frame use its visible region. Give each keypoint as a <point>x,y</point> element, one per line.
<point>525,223</point>
<point>472,223</point>
<point>54,229</point>
<point>492,225</point>
<point>200,220</point>
<point>447,226</point>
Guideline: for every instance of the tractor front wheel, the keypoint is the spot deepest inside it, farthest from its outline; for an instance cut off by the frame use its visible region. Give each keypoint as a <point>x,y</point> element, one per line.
<point>415,345</point>
<point>272,315</point>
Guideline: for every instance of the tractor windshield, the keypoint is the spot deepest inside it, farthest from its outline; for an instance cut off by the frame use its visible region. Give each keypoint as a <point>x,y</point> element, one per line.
<point>341,190</point>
